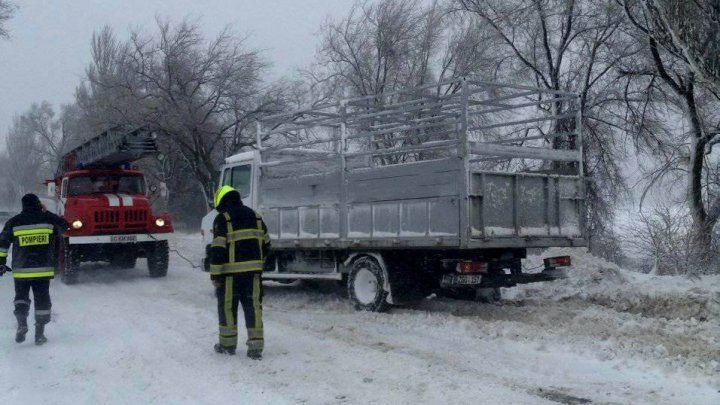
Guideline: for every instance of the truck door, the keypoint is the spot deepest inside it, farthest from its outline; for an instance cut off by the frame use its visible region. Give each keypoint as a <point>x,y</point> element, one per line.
<point>63,196</point>
<point>240,177</point>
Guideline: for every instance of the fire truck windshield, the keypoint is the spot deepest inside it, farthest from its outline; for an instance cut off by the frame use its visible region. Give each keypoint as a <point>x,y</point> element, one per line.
<point>106,184</point>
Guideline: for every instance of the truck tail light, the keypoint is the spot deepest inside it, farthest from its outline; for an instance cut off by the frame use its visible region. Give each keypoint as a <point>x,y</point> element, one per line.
<point>472,267</point>
<point>557,261</point>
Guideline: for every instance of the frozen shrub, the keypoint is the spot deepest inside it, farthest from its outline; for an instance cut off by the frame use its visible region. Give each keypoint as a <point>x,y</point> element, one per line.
<point>664,244</point>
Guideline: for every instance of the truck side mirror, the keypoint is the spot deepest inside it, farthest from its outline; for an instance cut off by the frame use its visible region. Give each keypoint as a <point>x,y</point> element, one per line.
<point>153,188</point>
<point>163,189</point>
<point>210,201</point>
<point>51,189</point>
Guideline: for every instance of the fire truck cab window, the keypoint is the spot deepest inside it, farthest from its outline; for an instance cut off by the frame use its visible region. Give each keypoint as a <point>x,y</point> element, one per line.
<point>239,178</point>
<point>106,184</point>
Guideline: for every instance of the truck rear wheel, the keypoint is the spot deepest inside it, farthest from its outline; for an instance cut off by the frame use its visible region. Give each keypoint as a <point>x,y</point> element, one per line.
<point>157,259</point>
<point>366,283</point>
<point>69,264</point>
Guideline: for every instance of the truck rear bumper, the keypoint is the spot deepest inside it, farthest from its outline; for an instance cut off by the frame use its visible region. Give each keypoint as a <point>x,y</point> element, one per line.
<point>505,280</point>
<point>123,238</point>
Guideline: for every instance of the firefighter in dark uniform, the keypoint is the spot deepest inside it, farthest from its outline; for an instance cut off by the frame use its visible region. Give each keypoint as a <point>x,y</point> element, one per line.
<point>237,258</point>
<point>33,234</point>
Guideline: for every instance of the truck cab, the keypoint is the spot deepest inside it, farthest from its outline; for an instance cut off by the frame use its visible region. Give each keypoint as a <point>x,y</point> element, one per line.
<point>107,202</point>
<point>240,172</point>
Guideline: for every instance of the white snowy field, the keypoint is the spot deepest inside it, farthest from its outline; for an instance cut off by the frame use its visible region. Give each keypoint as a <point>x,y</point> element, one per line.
<point>603,336</point>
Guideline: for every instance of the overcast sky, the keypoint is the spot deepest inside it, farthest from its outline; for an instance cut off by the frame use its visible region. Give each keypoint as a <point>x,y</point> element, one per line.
<point>50,44</point>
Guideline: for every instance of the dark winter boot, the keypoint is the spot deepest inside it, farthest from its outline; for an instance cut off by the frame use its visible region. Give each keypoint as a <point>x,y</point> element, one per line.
<point>224,350</point>
<point>40,338</point>
<point>254,354</point>
<point>255,346</point>
<point>22,330</point>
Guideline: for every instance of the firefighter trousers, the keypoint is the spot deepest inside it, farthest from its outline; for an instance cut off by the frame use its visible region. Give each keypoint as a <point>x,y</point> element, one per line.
<point>41,293</point>
<point>244,289</point>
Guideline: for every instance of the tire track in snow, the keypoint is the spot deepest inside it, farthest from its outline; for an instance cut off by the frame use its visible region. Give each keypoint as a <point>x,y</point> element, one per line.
<point>458,355</point>
<point>673,344</point>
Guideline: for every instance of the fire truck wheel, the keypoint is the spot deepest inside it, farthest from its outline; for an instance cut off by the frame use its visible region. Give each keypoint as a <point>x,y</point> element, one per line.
<point>69,265</point>
<point>366,285</point>
<point>157,259</point>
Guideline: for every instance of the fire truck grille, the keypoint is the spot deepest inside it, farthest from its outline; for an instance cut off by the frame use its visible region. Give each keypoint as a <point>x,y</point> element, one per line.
<point>135,216</point>
<point>114,216</point>
<point>107,216</point>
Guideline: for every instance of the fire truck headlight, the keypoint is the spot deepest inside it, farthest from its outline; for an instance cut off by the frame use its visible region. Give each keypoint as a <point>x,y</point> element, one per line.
<point>160,222</point>
<point>77,224</point>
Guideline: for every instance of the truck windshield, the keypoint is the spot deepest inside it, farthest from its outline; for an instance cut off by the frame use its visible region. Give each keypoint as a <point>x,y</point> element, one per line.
<point>238,177</point>
<point>106,184</point>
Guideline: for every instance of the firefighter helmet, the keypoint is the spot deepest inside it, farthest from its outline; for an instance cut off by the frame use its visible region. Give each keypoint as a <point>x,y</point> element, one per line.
<point>220,193</point>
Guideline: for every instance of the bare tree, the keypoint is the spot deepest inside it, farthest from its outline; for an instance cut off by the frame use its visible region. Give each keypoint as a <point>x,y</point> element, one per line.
<point>28,159</point>
<point>384,47</point>
<point>200,95</point>
<point>661,84</point>
<point>37,136</point>
<point>7,10</point>
<point>572,46</point>
<point>40,123</point>
<point>397,44</point>
<point>364,53</point>
<point>662,240</point>
<point>690,31</point>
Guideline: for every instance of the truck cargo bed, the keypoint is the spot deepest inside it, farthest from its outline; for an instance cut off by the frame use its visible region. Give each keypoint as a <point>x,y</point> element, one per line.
<point>419,206</point>
<point>478,168</point>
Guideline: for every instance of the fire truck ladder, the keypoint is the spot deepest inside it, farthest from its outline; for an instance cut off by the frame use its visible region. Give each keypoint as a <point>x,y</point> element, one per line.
<point>114,147</point>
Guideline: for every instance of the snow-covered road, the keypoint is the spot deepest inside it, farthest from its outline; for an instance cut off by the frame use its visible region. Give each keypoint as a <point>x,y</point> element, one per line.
<point>121,337</point>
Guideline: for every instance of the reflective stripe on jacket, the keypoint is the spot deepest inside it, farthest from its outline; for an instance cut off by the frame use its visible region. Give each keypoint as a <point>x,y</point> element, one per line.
<point>240,242</point>
<point>33,235</point>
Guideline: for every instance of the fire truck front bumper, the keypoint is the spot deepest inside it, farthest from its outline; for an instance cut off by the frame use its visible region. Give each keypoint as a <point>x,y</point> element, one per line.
<point>124,238</point>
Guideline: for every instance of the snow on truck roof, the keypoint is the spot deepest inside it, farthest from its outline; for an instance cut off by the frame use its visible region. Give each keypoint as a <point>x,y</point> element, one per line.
<point>245,156</point>
<point>240,157</point>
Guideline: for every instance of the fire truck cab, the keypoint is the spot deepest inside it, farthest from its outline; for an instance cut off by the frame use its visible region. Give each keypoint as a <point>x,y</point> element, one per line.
<point>108,207</point>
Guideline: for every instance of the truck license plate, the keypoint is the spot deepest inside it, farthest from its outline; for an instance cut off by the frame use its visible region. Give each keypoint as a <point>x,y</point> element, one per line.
<point>464,279</point>
<point>123,238</point>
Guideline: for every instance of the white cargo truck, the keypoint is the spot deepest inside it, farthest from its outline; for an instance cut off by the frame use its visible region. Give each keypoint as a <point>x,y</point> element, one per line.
<point>437,188</point>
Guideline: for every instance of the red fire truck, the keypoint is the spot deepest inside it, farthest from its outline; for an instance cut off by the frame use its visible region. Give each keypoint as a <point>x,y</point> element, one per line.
<point>106,203</point>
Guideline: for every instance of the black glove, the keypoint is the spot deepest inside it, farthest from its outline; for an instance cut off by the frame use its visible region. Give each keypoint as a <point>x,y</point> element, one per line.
<point>3,269</point>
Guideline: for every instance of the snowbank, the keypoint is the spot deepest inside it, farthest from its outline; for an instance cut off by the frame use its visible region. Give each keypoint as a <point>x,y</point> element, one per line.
<point>600,282</point>
<point>671,320</point>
